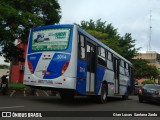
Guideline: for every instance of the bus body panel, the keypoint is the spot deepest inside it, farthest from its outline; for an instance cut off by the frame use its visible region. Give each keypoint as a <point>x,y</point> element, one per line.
<point>81,76</point>
<point>109,77</point>
<point>123,84</point>
<point>47,65</point>
<point>99,78</point>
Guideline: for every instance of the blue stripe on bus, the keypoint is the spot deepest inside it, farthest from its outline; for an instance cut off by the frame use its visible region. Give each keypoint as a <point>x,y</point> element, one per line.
<point>99,78</point>
<point>81,76</point>
<point>56,64</point>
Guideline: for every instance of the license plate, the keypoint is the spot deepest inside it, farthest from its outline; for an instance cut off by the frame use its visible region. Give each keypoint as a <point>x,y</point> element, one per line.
<point>3,85</point>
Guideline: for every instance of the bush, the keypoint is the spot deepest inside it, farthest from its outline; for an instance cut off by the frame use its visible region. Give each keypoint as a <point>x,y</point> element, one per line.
<point>148,82</point>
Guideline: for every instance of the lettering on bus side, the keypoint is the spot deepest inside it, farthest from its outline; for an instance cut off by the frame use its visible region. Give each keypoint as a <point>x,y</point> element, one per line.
<point>82,69</point>
<point>58,35</point>
<point>32,57</point>
<point>59,57</point>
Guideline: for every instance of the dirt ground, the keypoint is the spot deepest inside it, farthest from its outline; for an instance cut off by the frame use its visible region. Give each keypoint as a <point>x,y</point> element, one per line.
<point>3,71</point>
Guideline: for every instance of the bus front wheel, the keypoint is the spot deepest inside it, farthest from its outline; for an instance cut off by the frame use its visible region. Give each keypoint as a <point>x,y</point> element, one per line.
<point>103,97</point>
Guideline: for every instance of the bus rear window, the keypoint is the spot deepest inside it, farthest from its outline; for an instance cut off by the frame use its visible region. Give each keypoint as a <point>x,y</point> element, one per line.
<point>50,39</point>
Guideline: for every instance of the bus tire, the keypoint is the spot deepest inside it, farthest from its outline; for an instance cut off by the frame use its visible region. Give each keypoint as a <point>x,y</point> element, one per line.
<point>104,92</point>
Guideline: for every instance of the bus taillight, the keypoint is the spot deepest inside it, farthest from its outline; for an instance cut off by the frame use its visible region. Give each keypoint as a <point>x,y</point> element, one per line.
<point>30,67</point>
<point>64,68</point>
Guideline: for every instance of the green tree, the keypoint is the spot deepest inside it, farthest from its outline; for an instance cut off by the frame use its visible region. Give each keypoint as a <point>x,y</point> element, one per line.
<point>18,16</point>
<point>152,72</point>
<point>140,67</point>
<point>107,34</point>
<point>144,70</point>
<point>127,44</point>
<point>148,82</point>
<point>4,67</point>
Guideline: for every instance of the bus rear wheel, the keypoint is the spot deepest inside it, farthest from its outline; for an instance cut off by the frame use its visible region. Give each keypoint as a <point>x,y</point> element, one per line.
<point>103,97</point>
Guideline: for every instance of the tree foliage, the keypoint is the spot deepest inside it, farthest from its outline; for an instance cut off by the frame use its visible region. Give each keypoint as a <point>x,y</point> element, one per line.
<point>4,67</point>
<point>148,82</point>
<point>107,34</point>
<point>18,16</point>
<point>144,70</point>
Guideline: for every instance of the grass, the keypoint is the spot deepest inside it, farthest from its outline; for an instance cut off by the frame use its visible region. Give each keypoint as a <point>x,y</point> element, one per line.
<point>13,85</point>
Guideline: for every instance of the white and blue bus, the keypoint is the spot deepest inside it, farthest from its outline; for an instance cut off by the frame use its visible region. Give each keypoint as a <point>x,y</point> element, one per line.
<point>67,59</point>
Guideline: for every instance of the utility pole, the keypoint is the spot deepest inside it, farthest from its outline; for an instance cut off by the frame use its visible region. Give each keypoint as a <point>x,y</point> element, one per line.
<point>150,32</point>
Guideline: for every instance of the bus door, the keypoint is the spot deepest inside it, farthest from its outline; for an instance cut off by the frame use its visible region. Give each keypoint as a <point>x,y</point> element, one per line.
<point>116,74</point>
<point>91,67</point>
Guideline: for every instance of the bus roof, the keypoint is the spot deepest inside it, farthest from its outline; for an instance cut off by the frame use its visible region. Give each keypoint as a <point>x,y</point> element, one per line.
<point>51,26</point>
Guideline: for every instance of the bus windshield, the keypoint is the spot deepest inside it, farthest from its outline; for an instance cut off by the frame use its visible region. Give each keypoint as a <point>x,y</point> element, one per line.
<point>50,39</point>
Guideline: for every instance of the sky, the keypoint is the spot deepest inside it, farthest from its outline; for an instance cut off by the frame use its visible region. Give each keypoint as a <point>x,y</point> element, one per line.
<point>127,16</point>
<point>2,61</point>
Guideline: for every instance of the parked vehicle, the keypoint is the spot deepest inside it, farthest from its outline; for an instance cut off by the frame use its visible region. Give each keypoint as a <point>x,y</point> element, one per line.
<point>149,92</point>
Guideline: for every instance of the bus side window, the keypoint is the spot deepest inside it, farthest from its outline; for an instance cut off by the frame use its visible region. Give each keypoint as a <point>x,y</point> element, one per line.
<point>126,69</point>
<point>122,67</point>
<point>109,57</point>
<point>102,57</point>
<point>81,47</point>
<point>109,60</point>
